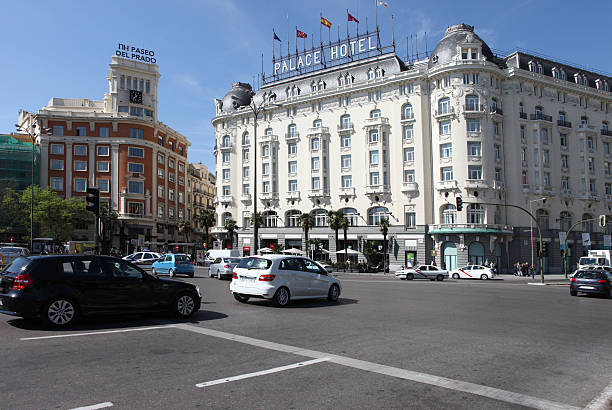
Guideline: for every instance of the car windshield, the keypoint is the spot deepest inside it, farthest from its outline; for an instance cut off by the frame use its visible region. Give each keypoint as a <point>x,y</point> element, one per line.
<point>588,274</point>
<point>588,261</point>
<point>233,260</point>
<point>10,250</point>
<point>255,263</point>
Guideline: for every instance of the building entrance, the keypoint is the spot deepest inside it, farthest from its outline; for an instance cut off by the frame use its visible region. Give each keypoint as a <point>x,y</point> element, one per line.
<point>449,255</point>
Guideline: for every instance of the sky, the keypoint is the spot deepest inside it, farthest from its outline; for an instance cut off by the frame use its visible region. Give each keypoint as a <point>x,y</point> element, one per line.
<point>62,48</point>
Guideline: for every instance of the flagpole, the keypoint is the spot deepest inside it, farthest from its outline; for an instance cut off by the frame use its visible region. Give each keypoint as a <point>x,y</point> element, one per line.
<point>288,38</point>
<point>273,34</point>
<point>296,44</point>
<point>320,24</point>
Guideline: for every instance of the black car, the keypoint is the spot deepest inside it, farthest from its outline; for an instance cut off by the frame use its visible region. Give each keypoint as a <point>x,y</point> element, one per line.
<point>60,288</point>
<point>597,281</point>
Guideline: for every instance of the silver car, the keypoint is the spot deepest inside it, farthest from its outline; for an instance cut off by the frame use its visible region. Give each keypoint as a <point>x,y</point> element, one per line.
<point>9,253</point>
<point>222,267</point>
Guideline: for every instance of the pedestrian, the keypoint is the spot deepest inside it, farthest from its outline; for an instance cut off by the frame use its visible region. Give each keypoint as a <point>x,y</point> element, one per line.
<point>517,267</point>
<point>433,262</point>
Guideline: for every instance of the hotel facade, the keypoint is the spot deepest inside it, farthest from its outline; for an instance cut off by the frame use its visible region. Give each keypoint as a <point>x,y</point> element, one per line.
<point>119,145</point>
<point>379,137</point>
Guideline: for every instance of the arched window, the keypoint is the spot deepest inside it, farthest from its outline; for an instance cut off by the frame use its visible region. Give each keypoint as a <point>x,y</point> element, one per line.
<point>476,253</point>
<point>291,218</point>
<point>370,74</point>
<point>269,219</point>
<point>444,105</point>
<point>313,86</point>
<point>376,214</point>
<point>449,251</point>
<point>542,218</point>
<point>587,226</point>
<point>345,121</point>
<point>341,81</point>
<point>292,130</point>
<point>532,66</point>
<point>449,214</point>
<point>314,144</point>
<point>565,221</point>
<point>225,217</point>
<point>268,131</point>
<point>475,214</point>
<point>245,138</point>
<point>379,73</point>
<point>226,141</point>
<point>320,217</point>
<point>493,104</point>
<point>604,126</point>
<point>521,108</point>
<point>317,123</point>
<point>321,85</point>
<point>351,215</point>
<point>348,79</point>
<point>375,114</point>
<point>471,102</point>
<point>407,113</point>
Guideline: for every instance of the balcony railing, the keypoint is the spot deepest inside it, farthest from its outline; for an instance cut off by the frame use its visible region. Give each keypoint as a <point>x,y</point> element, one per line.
<point>225,199</point>
<point>410,187</point>
<point>444,112</point>
<point>523,115</point>
<point>317,193</point>
<point>268,195</point>
<point>606,132</point>
<point>346,127</point>
<point>318,130</point>
<point>563,123</point>
<point>499,185</point>
<point>245,197</point>
<point>377,189</point>
<point>225,147</point>
<point>443,185</point>
<point>372,122</point>
<point>267,138</point>
<point>476,108</point>
<point>409,117</point>
<point>496,110</point>
<point>293,195</point>
<point>292,136</point>
<point>347,191</point>
<point>129,215</point>
<point>538,116</point>
<point>476,183</point>
<point>503,228</point>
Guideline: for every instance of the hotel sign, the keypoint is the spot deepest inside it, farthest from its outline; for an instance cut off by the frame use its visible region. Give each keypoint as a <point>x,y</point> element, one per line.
<point>135,53</point>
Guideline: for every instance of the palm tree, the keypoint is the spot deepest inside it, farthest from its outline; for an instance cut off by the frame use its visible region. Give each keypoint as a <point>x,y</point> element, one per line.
<point>384,228</point>
<point>333,220</point>
<point>230,226</point>
<point>315,244</point>
<point>306,221</point>
<point>344,225</point>
<point>207,220</point>
<point>185,228</point>
<point>259,219</point>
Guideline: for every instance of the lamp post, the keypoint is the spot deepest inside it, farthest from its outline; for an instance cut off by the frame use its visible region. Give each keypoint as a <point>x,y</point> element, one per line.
<point>531,225</point>
<point>32,134</point>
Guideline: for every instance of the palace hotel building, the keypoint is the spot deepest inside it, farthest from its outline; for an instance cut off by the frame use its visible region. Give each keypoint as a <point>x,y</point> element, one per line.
<point>380,137</point>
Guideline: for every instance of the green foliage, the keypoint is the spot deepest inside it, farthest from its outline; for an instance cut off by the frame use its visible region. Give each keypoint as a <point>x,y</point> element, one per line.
<point>278,248</point>
<point>230,226</point>
<point>109,220</point>
<point>259,218</point>
<point>306,221</point>
<point>207,219</point>
<point>14,216</point>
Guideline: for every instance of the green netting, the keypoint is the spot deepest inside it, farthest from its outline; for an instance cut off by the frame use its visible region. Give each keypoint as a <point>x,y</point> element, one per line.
<point>16,163</point>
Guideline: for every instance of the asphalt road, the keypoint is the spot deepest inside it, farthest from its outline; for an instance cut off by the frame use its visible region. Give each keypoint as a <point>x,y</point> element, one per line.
<point>386,344</point>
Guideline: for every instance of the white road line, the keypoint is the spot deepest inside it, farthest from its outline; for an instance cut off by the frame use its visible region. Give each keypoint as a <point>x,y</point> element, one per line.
<point>467,387</point>
<point>603,401</point>
<point>95,406</point>
<point>98,333</point>
<point>261,373</point>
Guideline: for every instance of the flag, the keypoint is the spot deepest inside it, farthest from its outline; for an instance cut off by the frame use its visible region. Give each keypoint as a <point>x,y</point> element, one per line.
<point>326,22</point>
<point>276,37</point>
<point>300,34</point>
<point>382,3</point>
<point>351,18</point>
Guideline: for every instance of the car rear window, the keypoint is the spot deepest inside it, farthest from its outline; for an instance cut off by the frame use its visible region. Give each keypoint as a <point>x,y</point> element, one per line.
<point>18,266</point>
<point>10,250</point>
<point>255,263</point>
<point>588,274</point>
<point>233,260</point>
<point>181,258</point>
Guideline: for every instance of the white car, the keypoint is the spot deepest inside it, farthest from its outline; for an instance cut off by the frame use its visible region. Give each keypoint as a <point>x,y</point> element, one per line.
<point>143,258</point>
<point>430,272</point>
<point>282,278</point>
<point>473,272</point>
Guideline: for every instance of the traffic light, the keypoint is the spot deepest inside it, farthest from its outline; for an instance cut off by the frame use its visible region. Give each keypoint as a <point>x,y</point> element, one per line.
<point>459,202</point>
<point>545,248</point>
<point>539,249</point>
<point>602,220</point>
<point>93,200</point>
<point>11,239</point>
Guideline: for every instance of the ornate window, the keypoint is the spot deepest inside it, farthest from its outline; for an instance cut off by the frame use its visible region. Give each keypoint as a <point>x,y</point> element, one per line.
<point>449,214</point>
<point>351,215</point>
<point>376,214</point>
<point>407,112</point>
<point>320,217</point>
<point>291,218</point>
<point>475,214</point>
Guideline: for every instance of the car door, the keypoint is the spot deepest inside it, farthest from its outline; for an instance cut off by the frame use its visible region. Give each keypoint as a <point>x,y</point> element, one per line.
<point>466,272</point>
<point>96,289</point>
<point>167,264</point>
<point>133,292</point>
<point>215,266</point>
<point>421,272</point>
<point>293,272</point>
<point>319,279</point>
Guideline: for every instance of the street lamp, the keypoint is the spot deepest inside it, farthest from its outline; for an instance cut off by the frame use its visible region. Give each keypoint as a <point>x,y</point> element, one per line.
<point>531,224</point>
<point>257,109</point>
<point>32,135</point>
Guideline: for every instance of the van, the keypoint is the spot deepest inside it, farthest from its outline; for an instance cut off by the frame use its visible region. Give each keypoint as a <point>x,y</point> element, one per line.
<point>595,258</point>
<point>213,254</point>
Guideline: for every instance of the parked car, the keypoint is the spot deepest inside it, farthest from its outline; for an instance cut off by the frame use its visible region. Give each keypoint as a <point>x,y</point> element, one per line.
<point>222,267</point>
<point>596,281</point>
<point>473,272</point>
<point>9,253</point>
<point>143,258</point>
<point>172,264</point>
<point>61,288</point>
<point>282,278</point>
<point>430,272</point>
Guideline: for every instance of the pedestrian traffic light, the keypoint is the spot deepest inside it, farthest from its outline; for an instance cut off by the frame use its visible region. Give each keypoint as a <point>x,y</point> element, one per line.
<point>459,202</point>
<point>93,200</point>
<point>545,249</point>
<point>602,220</point>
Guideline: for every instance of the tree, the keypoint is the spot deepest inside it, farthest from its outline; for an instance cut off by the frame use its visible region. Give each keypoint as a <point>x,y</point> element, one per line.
<point>278,248</point>
<point>344,225</point>
<point>315,244</point>
<point>259,219</point>
<point>185,228</point>
<point>109,219</point>
<point>14,218</point>
<point>333,220</point>
<point>306,221</point>
<point>230,226</point>
<point>384,229</point>
<point>207,220</point>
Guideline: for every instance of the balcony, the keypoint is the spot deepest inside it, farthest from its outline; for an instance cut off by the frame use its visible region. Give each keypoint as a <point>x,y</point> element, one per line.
<point>245,197</point>
<point>408,187</point>
<point>292,136</point>
<point>587,129</point>
<point>267,196</point>
<point>408,118</point>
<point>538,116</point>
<point>134,216</point>
<point>495,110</point>
<point>477,183</point>
<point>317,193</point>
<point>609,197</point>
<point>376,122</point>
<point>226,147</point>
<point>565,193</point>
<point>293,195</point>
<point>523,115</point>
<point>377,189</point>
<point>446,185</point>
<point>563,123</point>
<point>473,109</point>
<point>498,185</point>
<point>470,228</point>
<point>346,128</point>
<point>225,199</point>
<point>318,131</point>
<point>440,114</point>
<point>346,191</point>
<point>606,132</point>
<point>267,139</point>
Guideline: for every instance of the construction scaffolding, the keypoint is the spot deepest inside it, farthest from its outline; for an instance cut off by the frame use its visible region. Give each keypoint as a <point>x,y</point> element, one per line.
<point>16,163</point>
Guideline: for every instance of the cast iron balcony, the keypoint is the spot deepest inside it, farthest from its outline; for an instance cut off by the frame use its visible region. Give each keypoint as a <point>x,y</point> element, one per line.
<point>538,116</point>
<point>563,123</point>
<point>523,115</point>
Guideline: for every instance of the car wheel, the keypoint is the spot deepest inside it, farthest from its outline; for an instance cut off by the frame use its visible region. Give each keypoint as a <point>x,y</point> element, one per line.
<point>171,273</point>
<point>184,305</point>
<point>409,276</point>
<point>218,275</point>
<point>241,298</point>
<point>573,293</point>
<point>334,293</point>
<point>209,273</point>
<point>484,276</point>
<point>191,275</point>
<point>60,312</point>
<point>455,276</point>
<point>440,278</point>
<point>282,297</point>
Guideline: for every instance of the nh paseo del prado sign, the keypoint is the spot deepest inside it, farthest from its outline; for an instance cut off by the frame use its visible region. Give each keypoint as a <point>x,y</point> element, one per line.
<point>135,53</point>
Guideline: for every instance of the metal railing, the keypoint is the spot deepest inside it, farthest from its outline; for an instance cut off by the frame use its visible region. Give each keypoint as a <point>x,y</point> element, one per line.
<point>540,116</point>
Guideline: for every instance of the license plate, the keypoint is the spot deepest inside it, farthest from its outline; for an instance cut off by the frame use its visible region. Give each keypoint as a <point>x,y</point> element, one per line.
<point>587,287</point>
<point>248,278</point>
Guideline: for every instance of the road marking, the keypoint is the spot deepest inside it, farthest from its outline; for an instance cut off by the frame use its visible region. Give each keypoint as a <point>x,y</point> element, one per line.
<point>95,406</point>
<point>603,401</point>
<point>97,333</point>
<point>467,387</point>
<point>261,373</point>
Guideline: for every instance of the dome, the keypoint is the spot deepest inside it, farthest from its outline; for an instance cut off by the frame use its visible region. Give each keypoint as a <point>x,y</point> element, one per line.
<point>446,49</point>
<point>238,96</point>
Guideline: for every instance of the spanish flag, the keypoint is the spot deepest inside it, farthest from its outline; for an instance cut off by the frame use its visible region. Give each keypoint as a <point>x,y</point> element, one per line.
<point>326,22</point>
